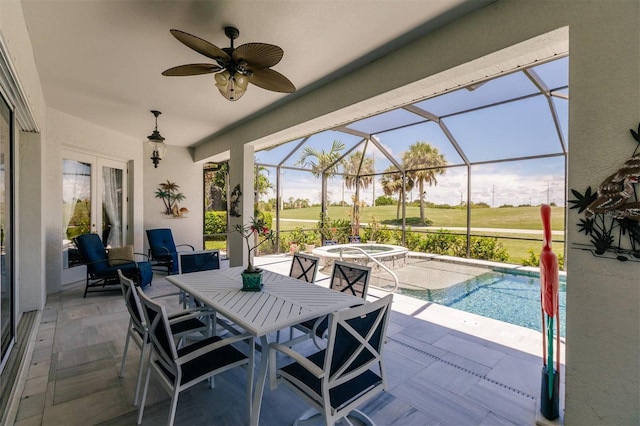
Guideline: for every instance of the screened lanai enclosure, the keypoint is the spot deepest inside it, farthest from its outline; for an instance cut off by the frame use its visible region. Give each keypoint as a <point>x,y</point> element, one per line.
<point>462,173</point>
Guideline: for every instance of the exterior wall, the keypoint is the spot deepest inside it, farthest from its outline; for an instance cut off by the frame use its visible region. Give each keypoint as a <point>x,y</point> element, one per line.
<point>603,300</point>
<point>30,261</point>
<point>178,167</point>
<point>68,132</point>
<point>29,271</point>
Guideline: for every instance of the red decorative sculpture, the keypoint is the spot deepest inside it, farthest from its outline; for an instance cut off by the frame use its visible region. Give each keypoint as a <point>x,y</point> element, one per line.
<point>549,398</point>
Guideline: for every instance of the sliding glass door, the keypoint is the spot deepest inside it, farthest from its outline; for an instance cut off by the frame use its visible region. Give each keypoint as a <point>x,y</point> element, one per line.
<point>94,200</point>
<point>7,306</point>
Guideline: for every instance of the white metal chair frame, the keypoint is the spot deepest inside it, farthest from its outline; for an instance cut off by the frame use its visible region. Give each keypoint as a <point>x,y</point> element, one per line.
<point>208,357</point>
<point>346,277</point>
<point>304,267</point>
<point>183,323</point>
<point>349,372</point>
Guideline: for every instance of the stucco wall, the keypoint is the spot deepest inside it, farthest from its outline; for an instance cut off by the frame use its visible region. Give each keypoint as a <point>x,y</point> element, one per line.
<point>68,132</point>
<point>178,167</point>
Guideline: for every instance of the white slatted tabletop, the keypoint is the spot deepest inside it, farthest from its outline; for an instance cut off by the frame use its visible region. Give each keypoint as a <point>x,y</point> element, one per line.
<point>283,301</point>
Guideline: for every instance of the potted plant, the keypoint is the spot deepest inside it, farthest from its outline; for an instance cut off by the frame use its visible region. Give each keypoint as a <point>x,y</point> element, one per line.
<point>310,239</point>
<point>255,233</point>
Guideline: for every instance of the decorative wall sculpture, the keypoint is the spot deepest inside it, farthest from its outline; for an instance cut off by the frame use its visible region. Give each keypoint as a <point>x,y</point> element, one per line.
<point>612,212</point>
<point>168,193</point>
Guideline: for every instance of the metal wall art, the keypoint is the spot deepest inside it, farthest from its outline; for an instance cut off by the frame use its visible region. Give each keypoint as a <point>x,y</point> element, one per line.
<point>612,213</point>
<point>168,193</point>
<point>235,201</point>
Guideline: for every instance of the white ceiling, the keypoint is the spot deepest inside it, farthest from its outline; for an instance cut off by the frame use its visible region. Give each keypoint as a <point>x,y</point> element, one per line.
<point>101,60</point>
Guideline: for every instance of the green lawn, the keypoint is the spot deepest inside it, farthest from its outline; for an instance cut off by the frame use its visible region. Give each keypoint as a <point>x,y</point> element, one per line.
<point>508,218</point>
<point>517,244</point>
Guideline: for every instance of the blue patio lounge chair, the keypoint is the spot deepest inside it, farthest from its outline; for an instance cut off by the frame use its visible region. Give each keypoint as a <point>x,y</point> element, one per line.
<point>163,251</point>
<point>102,267</point>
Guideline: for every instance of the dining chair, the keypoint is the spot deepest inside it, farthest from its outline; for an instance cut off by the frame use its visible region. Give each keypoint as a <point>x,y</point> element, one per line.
<point>304,267</point>
<point>163,250</point>
<point>335,381</point>
<point>186,322</point>
<point>196,261</point>
<point>179,369</point>
<point>346,277</point>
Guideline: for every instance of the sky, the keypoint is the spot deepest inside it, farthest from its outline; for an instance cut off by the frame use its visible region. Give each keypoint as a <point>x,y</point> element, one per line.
<point>517,129</point>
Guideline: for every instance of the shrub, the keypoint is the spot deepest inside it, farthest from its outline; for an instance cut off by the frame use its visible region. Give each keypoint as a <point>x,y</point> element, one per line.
<point>488,248</point>
<point>215,222</point>
<point>440,242</point>
<point>384,200</point>
<point>412,240</point>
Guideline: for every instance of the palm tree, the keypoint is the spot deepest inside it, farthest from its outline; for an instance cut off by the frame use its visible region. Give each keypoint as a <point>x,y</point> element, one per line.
<point>391,183</point>
<point>354,167</point>
<point>261,183</point>
<point>424,162</point>
<point>322,164</point>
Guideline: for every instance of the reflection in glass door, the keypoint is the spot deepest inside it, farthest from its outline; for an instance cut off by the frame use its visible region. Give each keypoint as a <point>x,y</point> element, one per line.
<point>113,198</point>
<point>7,306</point>
<point>76,207</point>
<point>94,199</point>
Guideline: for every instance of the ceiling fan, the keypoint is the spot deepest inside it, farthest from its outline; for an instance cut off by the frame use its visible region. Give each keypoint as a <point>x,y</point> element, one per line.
<point>235,68</point>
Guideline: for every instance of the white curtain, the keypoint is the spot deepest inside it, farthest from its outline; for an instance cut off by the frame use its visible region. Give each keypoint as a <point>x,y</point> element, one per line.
<point>76,184</point>
<point>112,203</point>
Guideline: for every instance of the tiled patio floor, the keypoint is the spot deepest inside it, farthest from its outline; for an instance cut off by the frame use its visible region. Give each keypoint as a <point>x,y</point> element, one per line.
<point>443,366</point>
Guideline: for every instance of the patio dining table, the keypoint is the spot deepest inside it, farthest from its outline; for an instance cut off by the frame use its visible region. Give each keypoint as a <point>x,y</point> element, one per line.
<point>282,303</point>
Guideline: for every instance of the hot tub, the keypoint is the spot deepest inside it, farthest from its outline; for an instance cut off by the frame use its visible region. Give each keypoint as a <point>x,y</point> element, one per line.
<point>387,254</point>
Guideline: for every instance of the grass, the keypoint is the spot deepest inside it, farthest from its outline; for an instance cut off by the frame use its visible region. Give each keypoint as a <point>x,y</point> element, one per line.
<point>517,244</point>
<point>505,218</point>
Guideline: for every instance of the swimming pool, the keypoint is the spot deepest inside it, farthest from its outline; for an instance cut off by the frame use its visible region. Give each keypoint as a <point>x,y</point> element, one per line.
<point>508,297</point>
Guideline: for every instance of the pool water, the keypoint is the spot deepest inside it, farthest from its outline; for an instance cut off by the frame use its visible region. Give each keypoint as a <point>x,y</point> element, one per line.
<point>507,297</point>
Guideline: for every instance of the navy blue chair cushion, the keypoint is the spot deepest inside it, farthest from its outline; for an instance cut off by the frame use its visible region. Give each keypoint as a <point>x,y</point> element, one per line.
<point>163,247</point>
<point>146,274</point>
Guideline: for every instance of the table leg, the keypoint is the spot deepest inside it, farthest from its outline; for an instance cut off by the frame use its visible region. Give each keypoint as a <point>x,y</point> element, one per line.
<point>262,379</point>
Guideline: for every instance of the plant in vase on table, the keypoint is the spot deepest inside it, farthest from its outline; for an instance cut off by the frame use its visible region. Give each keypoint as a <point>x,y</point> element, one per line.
<point>255,233</point>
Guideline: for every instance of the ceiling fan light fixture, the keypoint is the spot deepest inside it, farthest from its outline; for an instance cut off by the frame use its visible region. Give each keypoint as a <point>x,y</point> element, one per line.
<point>234,68</point>
<point>232,87</point>
<point>156,141</point>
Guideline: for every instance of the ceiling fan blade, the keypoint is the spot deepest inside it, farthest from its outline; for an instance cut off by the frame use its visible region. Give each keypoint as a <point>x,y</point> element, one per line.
<point>191,69</point>
<point>258,55</point>
<point>201,46</point>
<point>272,80</point>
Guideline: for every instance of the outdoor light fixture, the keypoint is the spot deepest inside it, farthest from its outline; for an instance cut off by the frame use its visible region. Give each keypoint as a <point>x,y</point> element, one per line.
<point>157,142</point>
<point>230,86</point>
<point>234,68</point>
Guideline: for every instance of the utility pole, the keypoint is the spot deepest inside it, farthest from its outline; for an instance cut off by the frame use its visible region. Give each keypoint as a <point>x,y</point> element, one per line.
<point>493,196</point>
<point>548,192</point>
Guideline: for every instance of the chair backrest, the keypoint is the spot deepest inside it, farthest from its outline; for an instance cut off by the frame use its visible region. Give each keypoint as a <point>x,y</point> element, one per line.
<point>132,301</point>
<point>93,252</point>
<point>350,278</point>
<point>194,261</point>
<point>355,340</point>
<point>162,343</point>
<point>304,267</point>
<point>161,242</point>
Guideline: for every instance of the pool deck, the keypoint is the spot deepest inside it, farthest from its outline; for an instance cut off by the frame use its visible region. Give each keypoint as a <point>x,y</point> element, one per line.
<point>444,367</point>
